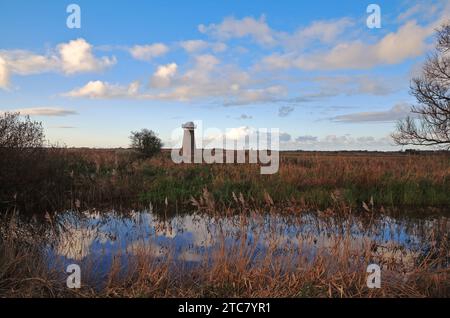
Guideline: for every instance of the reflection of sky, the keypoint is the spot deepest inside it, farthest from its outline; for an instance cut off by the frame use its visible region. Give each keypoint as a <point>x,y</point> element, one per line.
<point>97,238</point>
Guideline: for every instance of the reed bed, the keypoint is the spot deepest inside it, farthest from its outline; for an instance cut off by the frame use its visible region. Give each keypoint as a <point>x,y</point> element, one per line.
<point>306,180</point>
<point>338,186</point>
<point>73,178</point>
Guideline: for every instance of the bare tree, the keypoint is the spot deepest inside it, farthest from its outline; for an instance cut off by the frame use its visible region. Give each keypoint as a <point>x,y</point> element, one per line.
<point>20,133</point>
<point>21,154</point>
<point>430,123</point>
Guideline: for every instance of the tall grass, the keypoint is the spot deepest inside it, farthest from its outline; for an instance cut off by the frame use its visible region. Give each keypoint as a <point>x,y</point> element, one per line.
<point>98,178</point>
<point>309,180</point>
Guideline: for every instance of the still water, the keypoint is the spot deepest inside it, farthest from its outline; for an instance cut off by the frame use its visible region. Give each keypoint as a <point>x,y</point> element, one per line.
<point>189,238</point>
<point>93,238</point>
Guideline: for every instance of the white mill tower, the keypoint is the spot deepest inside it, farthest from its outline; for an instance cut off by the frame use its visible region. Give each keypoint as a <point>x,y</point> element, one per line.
<point>188,142</point>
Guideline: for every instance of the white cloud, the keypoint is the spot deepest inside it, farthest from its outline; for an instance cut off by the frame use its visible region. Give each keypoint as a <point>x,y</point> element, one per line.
<point>100,89</point>
<point>76,56</point>
<point>239,133</point>
<point>92,89</point>
<point>420,10</point>
<point>148,52</point>
<point>395,47</point>
<point>45,111</point>
<point>359,84</point>
<point>206,62</point>
<point>218,47</point>
<point>277,61</point>
<point>257,95</point>
<point>195,82</point>
<point>4,74</point>
<point>133,88</point>
<point>163,75</point>
<point>25,63</point>
<point>397,112</point>
<point>73,57</point>
<point>343,48</point>
<point>326,31</point>
<point>373,85</point>
<point>306,139</point>
<point>231,27</point>
<point>193,46</point>
<point>322,31</point>
<point>207,77</point>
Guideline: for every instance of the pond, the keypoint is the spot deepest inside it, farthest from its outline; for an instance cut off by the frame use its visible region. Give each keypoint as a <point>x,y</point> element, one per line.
<point>97,239</point>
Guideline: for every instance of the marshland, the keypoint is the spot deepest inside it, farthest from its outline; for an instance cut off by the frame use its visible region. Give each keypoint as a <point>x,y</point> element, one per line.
<point>147,227</point>
<point>87,210</point>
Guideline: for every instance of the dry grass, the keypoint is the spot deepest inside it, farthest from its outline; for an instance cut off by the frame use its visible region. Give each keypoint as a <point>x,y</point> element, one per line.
<point>86,178</point>
<point>337,184</point>
<point>309,180</point>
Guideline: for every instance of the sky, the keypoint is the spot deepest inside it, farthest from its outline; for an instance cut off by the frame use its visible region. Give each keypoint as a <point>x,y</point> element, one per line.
<point>312,69</point>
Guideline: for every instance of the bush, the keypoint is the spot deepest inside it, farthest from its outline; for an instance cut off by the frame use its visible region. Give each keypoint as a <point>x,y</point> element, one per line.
<point>145,142</point>
<point>20,133</point>
<point>31,175</point>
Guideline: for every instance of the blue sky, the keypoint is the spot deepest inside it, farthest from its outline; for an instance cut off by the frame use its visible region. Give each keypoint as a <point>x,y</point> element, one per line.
<point>312,69</point>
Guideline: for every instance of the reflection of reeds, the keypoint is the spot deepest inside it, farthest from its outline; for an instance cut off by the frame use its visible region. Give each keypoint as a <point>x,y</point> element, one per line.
<point>23,271</point>
<point>236,266</point>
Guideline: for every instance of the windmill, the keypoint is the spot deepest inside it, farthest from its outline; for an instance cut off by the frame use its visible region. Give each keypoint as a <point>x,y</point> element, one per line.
<point>188,142</point>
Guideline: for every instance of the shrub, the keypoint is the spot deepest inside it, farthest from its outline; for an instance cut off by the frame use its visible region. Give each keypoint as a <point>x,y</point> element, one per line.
<point>145,142</point>
<point>31,175</point>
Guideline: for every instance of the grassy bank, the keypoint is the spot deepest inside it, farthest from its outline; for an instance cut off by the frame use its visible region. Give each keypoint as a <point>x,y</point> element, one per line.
<point>93,178</point>
<point>307,180</point>
<point>311,181</point>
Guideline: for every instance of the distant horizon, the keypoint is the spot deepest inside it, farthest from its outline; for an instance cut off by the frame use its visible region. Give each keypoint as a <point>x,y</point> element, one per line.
<point>283,150</point>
